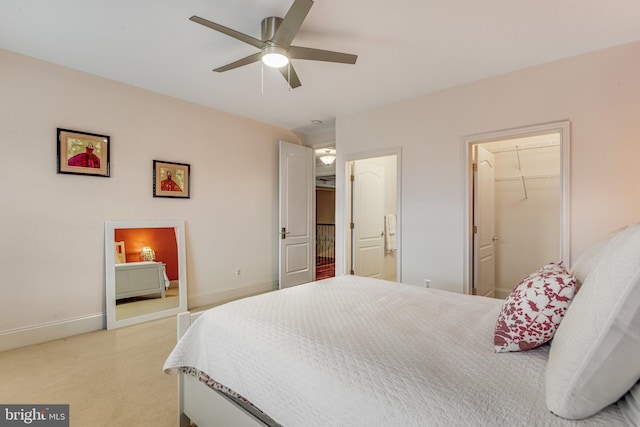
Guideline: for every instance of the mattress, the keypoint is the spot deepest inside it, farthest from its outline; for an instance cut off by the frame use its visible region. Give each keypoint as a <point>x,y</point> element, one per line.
<point>353,351</point>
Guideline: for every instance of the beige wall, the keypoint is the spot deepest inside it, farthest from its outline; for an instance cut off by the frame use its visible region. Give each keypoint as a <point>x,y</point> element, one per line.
<point>52,228</point>
<point>52,233</point>
<point>598,92</point>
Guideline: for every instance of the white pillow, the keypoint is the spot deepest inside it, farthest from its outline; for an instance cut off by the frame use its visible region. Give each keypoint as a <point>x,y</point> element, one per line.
<point>630,406</point>
<point>594,358</point>
<point>586,262</point>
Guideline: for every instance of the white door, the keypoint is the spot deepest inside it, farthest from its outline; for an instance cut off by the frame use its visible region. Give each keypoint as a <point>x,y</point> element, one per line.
<point>297,215</point>
<point>484,222</point>
<point>368,220</point>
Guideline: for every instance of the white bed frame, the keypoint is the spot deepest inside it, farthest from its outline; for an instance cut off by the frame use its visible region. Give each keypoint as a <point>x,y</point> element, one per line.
<point>202,405</point>
<point>139,278</point>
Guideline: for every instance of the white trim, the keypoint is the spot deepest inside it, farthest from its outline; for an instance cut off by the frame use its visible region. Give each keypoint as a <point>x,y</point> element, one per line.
<point>342,218</point>
<point>51,331</point>
<point>564,129</point>
<point>45,332</point>
<point>229,294</point>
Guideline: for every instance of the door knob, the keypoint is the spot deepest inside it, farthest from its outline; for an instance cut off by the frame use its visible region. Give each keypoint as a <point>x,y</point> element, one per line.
<point>283,234</point>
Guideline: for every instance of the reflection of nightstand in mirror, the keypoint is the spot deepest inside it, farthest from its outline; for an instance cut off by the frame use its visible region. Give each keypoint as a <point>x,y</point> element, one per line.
<point>140,278</point>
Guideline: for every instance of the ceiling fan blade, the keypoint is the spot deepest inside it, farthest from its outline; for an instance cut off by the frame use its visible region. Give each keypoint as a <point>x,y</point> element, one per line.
<point>291,23</point>
<point>240,62</point>
<point>297,52</point>
<point>290,75</point>
<point>228,31</point>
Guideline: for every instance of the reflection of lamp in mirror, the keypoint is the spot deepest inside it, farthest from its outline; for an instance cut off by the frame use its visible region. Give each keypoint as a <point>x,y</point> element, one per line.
<point>147,254</point>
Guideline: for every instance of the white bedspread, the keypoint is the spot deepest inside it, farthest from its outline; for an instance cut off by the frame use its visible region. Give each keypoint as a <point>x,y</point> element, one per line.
<point>351,351</point>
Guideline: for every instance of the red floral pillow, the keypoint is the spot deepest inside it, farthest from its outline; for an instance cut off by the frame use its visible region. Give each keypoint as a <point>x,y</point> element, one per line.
<point>532,312</point>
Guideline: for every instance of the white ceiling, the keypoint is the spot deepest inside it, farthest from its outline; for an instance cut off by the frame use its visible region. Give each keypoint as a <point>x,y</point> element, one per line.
<point>405,48</point>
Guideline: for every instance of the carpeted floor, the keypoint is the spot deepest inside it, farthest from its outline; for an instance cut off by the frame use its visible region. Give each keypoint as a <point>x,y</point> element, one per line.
<point>131,307</point>
<point>109,378</point>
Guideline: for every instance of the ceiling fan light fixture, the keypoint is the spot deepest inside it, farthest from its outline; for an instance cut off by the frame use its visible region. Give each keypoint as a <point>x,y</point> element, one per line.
<point>274,57</point>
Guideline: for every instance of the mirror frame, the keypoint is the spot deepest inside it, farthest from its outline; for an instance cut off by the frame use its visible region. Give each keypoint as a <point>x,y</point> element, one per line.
<point>110,271</point>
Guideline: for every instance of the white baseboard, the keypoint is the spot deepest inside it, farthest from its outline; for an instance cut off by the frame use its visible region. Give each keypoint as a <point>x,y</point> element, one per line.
<point>229,294</point>
<point>51,331</point>
<point>65,328</point>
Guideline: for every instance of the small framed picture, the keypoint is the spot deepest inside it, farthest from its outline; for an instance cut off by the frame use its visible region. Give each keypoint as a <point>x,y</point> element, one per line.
<point>83,153</point>
<point>171,179</point>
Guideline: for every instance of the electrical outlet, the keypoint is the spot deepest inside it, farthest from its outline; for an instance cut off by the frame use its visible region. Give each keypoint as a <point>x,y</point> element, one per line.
<point>237,271</point>
<point>427,283</point>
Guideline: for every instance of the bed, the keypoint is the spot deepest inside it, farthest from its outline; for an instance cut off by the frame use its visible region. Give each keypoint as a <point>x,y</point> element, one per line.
<point>353,351</point>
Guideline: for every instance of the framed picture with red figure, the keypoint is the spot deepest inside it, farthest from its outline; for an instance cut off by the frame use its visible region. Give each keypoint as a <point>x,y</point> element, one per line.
<point>83,153</point>
<point>171,179</point>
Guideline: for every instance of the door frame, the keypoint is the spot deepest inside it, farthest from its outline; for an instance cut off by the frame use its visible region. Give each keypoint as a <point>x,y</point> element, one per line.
<point>343,203</point>
<point>564,129</point>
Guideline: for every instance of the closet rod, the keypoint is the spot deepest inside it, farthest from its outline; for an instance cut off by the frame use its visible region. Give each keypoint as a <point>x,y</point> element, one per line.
<point>524,187</point>
<point>519,178</point>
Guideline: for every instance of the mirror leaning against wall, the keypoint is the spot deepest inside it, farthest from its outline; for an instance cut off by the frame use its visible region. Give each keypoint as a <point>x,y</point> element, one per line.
<point>145,271</point>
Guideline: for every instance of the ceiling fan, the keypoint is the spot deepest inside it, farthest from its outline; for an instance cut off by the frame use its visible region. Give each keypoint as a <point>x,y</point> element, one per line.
<point>275,47</point>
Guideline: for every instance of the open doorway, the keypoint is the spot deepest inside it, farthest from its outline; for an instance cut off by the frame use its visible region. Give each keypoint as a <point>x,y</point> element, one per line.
<point>325,212</point>
<point>518,205</point>
<point>372,215</point>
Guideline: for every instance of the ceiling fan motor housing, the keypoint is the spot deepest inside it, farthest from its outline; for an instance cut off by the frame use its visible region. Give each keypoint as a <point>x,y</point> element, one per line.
<point>269,27</point>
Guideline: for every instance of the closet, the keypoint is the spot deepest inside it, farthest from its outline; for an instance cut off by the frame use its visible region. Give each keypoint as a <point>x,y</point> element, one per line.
<point>527,203</point>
